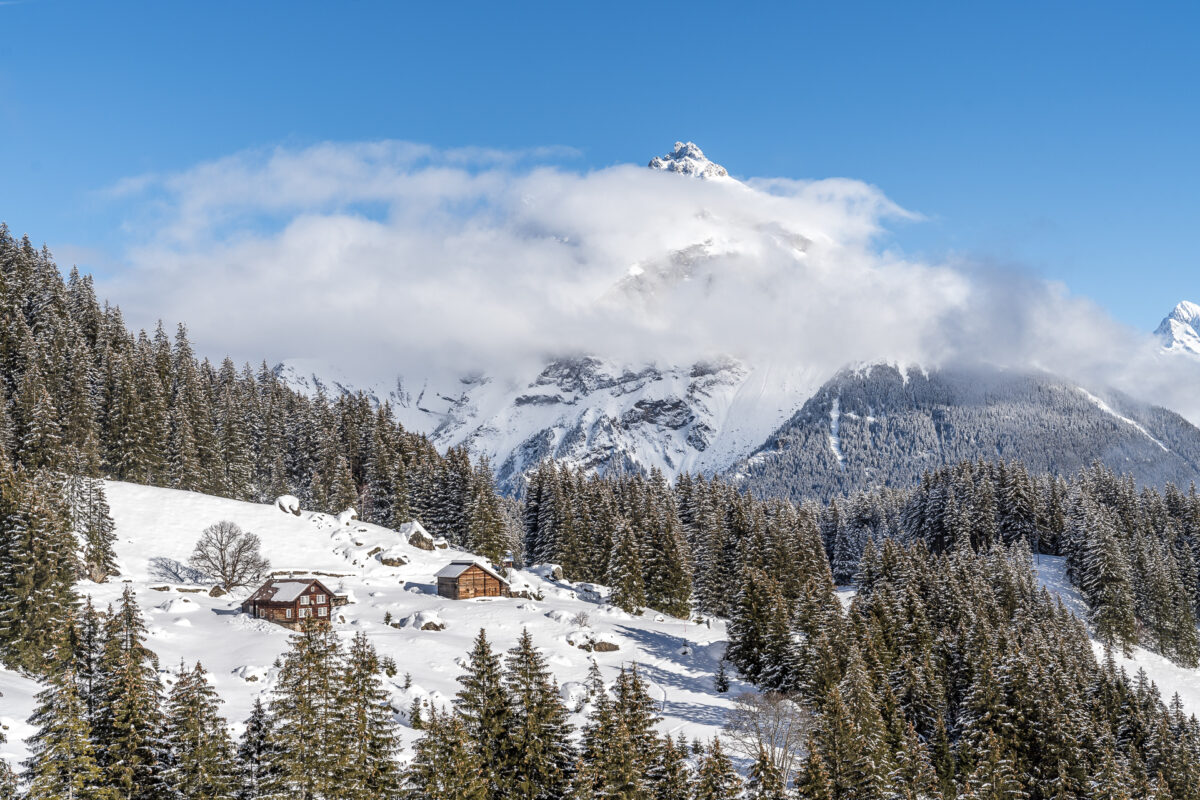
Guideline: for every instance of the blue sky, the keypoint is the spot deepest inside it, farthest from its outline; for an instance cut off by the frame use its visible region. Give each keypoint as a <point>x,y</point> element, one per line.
<point>1057,138</point>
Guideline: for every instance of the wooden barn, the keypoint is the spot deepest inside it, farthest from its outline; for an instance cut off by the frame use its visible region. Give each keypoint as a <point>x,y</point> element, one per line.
<point>292,601</point>
<point>463,580</point>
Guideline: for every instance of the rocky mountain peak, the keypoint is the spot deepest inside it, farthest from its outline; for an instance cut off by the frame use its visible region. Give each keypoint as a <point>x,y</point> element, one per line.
<point>688,159</point>
<point>1180,330</point>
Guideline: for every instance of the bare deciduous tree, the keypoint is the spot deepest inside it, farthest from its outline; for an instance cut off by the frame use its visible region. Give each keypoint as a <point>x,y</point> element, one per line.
<point>772,722</point>
<point>230,555</point>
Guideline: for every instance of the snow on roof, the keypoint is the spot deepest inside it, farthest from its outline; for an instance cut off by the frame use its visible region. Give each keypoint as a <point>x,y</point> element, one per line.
<point>288,591</point>
<point>284,591</point>
<point>456,568</point>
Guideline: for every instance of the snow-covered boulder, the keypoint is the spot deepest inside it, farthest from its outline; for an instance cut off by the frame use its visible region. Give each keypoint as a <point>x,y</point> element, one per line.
<point>589,640</point>
<point>347,517</point>
<point>427,620</point>
<point>415,534</point>
<point>549,572</point>
<point>394,556</point>
<point>288,503</point>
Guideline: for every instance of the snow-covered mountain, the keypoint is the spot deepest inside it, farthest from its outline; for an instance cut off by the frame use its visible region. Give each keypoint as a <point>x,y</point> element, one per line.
<point>1180,330</point>
<point>157,529</point>
<point>702,414</point>
<point>688,159</point>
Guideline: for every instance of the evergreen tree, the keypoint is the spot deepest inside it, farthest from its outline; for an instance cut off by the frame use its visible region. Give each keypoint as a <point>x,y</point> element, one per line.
<point>129,720</point>
<point>716,779</point>
<point>307,745</point>
<point>372,770</point>
<point>255,755</point>
<point>538,731</point>
<point>63,763</point>
<point>443,766</point>
<point>199,755</point>
<point>483,704</point>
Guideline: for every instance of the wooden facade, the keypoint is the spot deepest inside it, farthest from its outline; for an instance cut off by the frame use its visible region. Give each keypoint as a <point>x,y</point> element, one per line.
<point>464,580</point>
<point>292,601</point>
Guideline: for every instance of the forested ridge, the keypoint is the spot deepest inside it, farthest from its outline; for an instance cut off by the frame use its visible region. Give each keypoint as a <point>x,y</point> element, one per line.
<point>950,675</point>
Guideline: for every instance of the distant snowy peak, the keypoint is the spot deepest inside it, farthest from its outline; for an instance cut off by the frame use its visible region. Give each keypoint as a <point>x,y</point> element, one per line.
<point>688,159</point>
<point>1180,330</point>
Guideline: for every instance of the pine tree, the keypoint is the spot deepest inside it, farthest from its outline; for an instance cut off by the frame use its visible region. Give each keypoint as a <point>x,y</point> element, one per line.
<point>483,704</point>
<point>129,719</point>
<point>716,779</point>
<point>307,699</point>
<point>372,770</point>
<point>765,781</point>
<point>625,571</point>
<point>670,777</point>
<point>538,731</point>
<point>443,766</point>
<point>199,756</point>
<point>63,762</point>
<point>255,755</point>
<point>37,568</point>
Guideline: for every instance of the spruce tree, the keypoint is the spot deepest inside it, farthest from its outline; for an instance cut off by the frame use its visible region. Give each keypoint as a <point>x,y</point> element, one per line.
<point>716,779</point>
<point>62,765</point>
<point>199,758</point>
<point>444,766</point>
<point>255,755</point>
<point>372,770</point>
<point>483,705</point>
<point>307,746</point>
<point>538,731</point>
<point>129,720</point>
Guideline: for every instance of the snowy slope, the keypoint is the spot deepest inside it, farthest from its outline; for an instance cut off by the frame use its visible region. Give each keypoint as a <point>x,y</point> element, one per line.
<point>157,529</point>
<point>1170,678</point>
<point>1180,330</point>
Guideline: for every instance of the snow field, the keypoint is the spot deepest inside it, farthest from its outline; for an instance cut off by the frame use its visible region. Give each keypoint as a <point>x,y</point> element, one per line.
<point>157,529</point>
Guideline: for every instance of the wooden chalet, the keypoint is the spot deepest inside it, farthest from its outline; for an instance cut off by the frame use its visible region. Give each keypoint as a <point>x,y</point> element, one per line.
<point>292,601</point>
<point>463,580</point>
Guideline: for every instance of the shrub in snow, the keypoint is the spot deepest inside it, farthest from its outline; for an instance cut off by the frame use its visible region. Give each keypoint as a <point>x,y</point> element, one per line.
<point>288,503</point>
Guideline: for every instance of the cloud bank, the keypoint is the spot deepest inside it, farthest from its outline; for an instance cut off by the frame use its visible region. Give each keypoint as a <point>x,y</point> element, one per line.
<point>391,258</point>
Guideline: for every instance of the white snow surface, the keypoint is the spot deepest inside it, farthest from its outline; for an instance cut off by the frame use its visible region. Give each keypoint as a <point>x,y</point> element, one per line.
<point>1170,678</point>
<point>1180,330</point>
<point>1107,409</point>
<point>157,529</point>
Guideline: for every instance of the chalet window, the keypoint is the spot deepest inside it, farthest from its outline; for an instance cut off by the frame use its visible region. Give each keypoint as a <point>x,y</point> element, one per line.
<point>303,601</point>
<point>322,612</point>
<point>289,613</point>
<point>320,598</point>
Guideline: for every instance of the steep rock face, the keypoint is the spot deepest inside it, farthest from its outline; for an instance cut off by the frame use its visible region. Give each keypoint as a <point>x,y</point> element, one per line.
<point>1180,330</point>
<point>884,426</point>
<point>688,159</point>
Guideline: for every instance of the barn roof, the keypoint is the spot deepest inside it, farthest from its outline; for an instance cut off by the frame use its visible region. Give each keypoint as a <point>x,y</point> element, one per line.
<point>456,568</point>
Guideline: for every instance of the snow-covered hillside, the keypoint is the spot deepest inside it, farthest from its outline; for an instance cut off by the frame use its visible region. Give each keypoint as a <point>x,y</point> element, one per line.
<point>1180,330</point>
<point>1170,678</point>
<point>157,529</point>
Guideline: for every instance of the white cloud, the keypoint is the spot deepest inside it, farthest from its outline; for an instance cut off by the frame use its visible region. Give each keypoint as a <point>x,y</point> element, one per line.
<point>394,258</point>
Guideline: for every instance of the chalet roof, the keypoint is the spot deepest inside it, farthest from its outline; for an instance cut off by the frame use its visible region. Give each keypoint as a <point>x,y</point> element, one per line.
<point>285,591</point>
<point>456,568</point>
